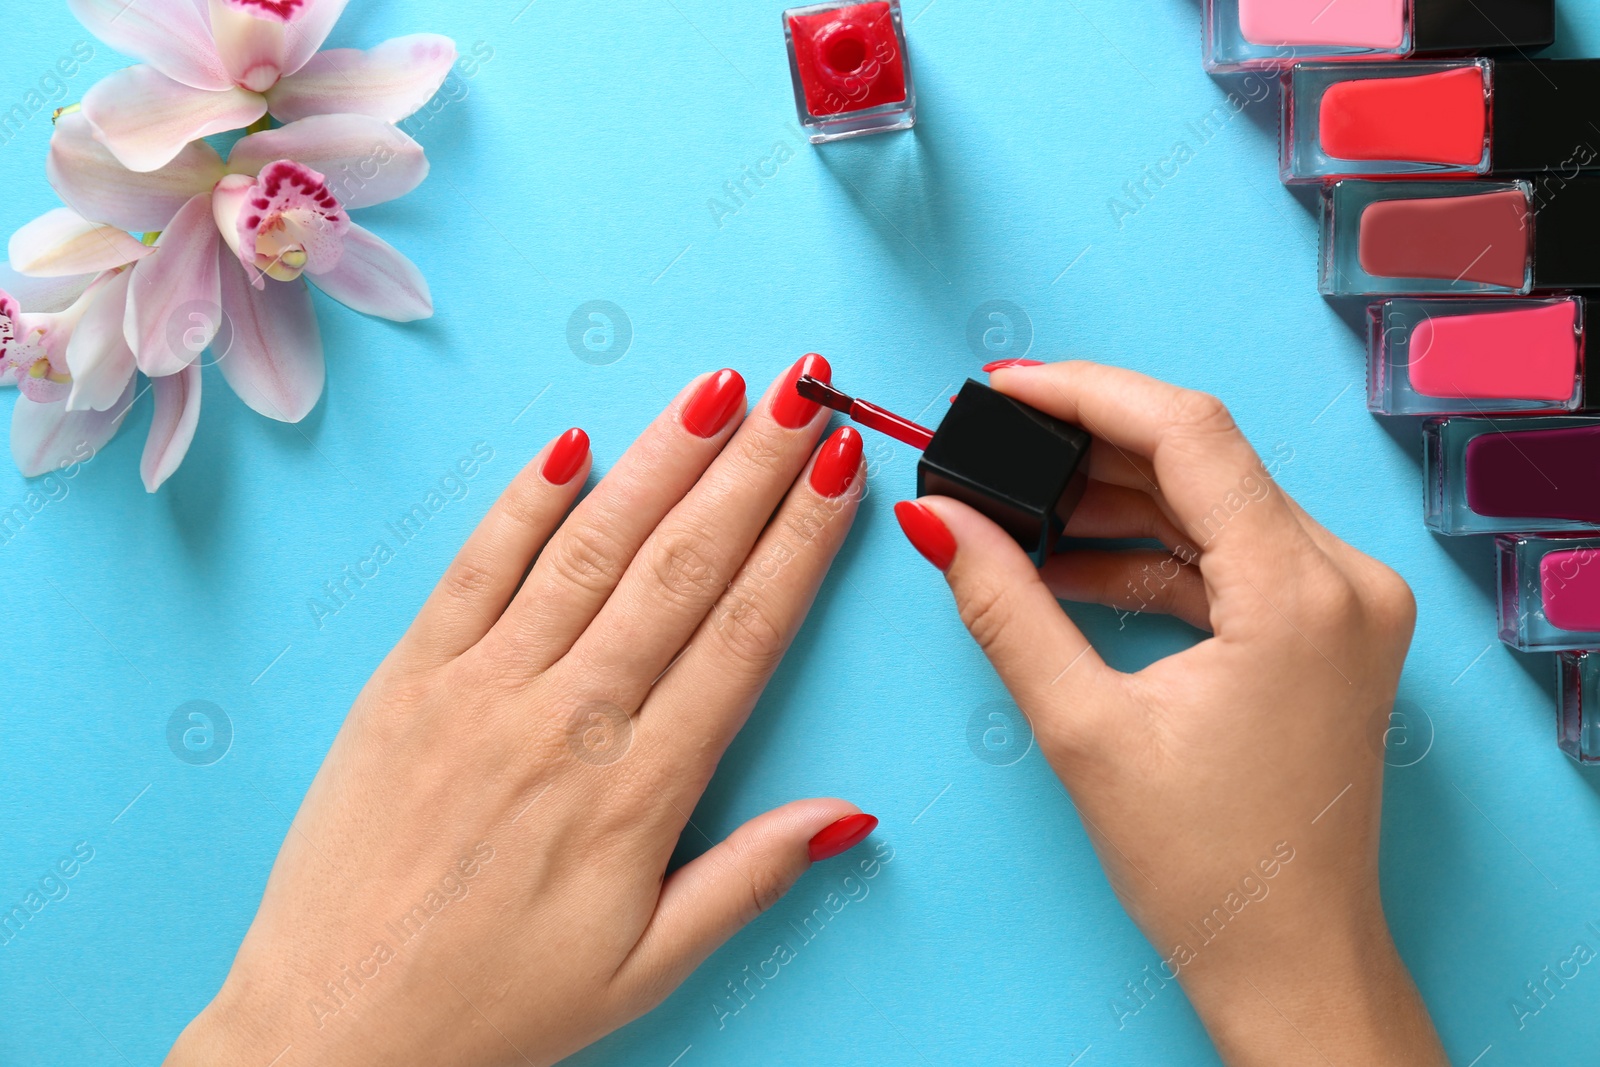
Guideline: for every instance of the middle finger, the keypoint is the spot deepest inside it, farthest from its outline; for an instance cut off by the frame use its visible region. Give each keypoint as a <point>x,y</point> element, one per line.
<point>685,565</point>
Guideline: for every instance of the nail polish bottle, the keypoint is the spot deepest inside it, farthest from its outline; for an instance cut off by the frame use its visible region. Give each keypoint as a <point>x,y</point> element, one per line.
<point>1422,238</point>
<point>1461,118</point>
<point>1272,34</point>
<point>1578,705</point>
<point>851,70</point>
<point>1518,475</point>
<point>1549,592</point>
<point>1023,469</point>
<point>1476,357</point>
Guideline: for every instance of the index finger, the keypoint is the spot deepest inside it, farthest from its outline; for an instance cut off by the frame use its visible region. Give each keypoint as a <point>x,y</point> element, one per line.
<point>1211,477</point>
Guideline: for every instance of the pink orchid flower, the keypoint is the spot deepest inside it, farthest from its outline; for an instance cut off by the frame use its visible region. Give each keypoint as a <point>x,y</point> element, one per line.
<point>76,374</point>
<point>210,66</point>
<point>238,241</point>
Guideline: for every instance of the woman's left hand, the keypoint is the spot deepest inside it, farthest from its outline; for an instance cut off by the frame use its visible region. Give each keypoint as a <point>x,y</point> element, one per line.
<point>476,874</point>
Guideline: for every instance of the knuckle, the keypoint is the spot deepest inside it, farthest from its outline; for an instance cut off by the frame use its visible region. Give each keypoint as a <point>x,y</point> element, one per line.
<point>466,580</point>
<point>1391,601</point>
<point>523,504</point>
<point>1200,412</point>
<point>804,523</point>
<point>1329,600</point>
<point>763,449</point>
<point>767,886</point>
<point>586,557</point>
<point>986,611</point>
<point>685,567</point>
<point>749,632</point>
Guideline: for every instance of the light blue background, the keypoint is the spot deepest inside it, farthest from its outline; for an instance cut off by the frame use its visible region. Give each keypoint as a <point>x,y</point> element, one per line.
<point>579,167</point>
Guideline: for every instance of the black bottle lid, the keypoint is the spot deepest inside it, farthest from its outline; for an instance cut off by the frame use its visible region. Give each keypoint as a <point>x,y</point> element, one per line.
<point>1022,468</point>
<point>1546,116</point>
<point>1468,27</point>
<point>1566,232</point>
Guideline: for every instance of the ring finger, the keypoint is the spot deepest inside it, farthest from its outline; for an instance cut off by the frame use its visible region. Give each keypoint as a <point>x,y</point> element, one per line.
<point>686,564</point>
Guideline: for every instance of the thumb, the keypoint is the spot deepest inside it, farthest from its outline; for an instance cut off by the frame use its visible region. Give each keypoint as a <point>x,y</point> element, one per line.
<point>1040,654</point>
<point>714,896</point>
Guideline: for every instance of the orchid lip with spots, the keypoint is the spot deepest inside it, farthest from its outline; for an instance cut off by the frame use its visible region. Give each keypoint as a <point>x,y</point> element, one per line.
<point>230,247</point>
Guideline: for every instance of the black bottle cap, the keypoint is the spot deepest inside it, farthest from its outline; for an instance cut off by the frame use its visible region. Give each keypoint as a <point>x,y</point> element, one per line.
<point>1546,116</point>
<point>1467,27</point>
<point>1566,232</point>
<point>1022,468</point>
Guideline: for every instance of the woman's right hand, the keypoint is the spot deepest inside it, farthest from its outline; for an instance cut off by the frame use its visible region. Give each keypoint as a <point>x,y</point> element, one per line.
<point>1232,791</point>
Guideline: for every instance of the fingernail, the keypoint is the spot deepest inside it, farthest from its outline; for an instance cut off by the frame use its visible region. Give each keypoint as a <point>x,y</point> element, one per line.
<point>842,836</point>
<point>1006,364</point>
<point>791,409</point>
<point>566,456</point>
<point>837,463</point>
<point>927,533</point>
<point>717,400</point>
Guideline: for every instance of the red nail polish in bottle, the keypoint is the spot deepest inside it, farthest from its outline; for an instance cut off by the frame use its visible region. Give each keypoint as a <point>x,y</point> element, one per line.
<point>851,72</point>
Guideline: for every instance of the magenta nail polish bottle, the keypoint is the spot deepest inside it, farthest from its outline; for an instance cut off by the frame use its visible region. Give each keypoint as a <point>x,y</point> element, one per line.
<point>1549,593</point>
<point>1514,475</point>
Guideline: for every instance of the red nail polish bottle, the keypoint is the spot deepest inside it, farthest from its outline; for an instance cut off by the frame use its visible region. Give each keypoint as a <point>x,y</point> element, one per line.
<point>851,72</point>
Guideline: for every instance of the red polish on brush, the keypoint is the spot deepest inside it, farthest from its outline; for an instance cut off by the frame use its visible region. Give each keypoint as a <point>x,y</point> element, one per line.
<point>866,413</point>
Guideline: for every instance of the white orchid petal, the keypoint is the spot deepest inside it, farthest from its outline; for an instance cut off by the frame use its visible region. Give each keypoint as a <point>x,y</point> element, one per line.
<point>145,118</point>
<point>170,35</point>
<point>47,437</point>
<point>175,298</point>
<point>374,279</point>
<point>252,48</point>
<point>390,82</point>
<point>43,294</point>
<point>177,398</point>
<point>228,200</point>
<point>366,161</point>
<point>98,356</point>
<point>275,360</point>
<point>62,243</point>
<point>309,29</point>
<point>91,181</point>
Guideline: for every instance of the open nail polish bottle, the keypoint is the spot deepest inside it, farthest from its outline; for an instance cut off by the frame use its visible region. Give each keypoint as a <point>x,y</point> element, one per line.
<point>1022,468</point>
<point>1578,705</point>
<point>1483,357</point>
<point>852,75</point>
<point>1421,238</point>
<point>1511,475</point>
<point>1270,34</point>
<point>1549,593</point>
<point>1461,118</point>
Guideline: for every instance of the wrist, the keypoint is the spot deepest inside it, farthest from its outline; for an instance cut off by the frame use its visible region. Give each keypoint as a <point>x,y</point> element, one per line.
<point>1339,992</point>
<point>228,1032</point>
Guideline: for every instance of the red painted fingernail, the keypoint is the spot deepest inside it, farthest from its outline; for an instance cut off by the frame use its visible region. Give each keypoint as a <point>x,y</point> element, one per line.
<point>927,533</point>
<point>837,463</point>
<point>789,407</point>
<point>566,457</point>
<point>842,836</point>
<point>717,400</point>
<point>1005,364</point>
